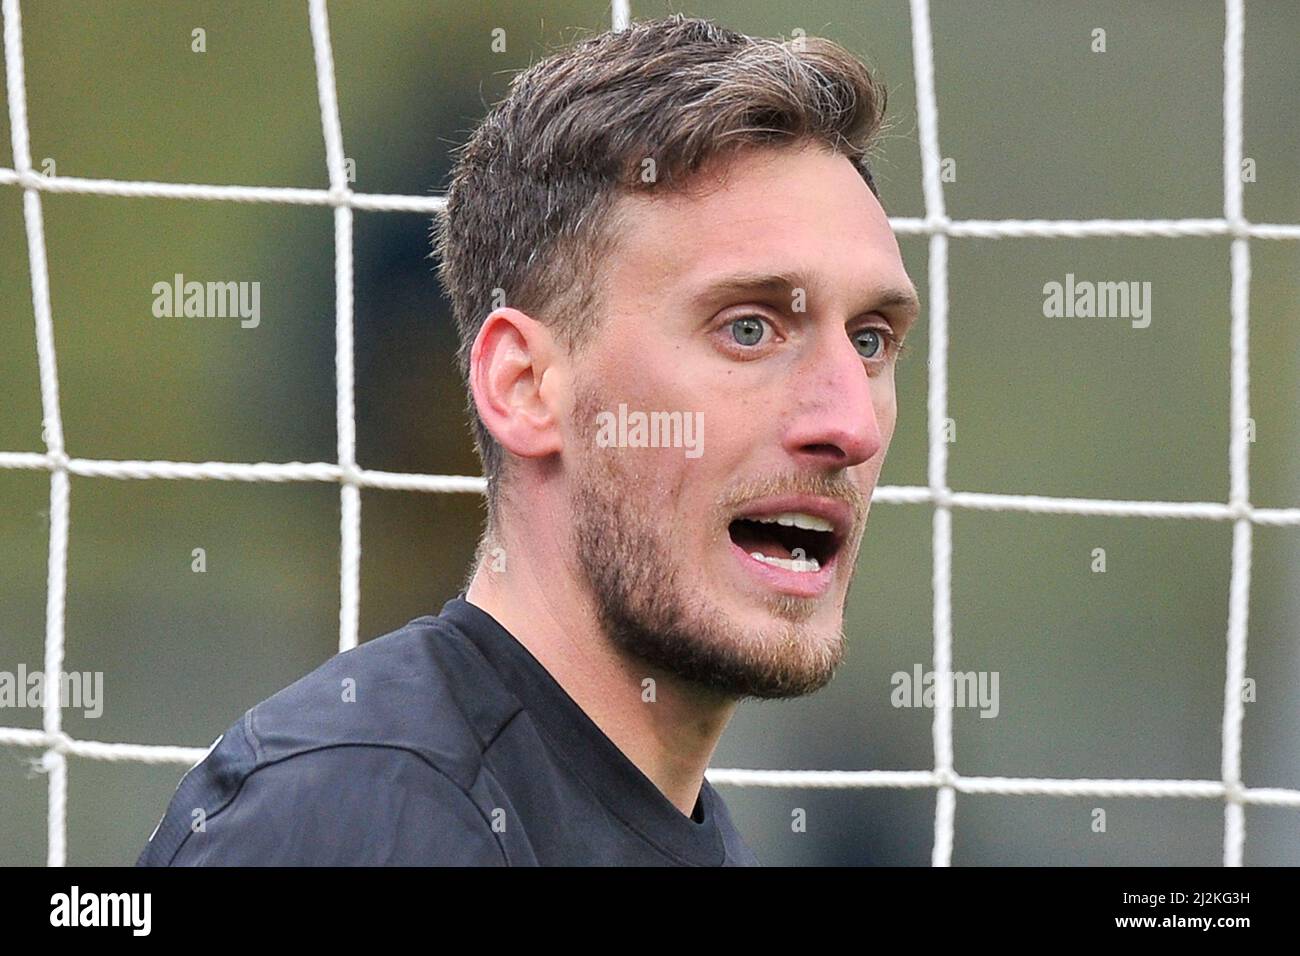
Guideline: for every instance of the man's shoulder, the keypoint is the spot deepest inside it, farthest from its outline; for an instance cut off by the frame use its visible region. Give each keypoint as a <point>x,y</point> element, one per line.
<point>423,688</point>
<point>334,806</point>
<point>378,739</point>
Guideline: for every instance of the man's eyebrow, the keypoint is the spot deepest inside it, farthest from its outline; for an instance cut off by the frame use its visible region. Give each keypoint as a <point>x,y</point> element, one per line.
<point>902,298</point>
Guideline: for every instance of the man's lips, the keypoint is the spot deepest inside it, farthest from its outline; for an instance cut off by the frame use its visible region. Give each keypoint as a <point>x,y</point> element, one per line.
<point>791,542</point>
<point>795,583</point>
<point>820,525</point>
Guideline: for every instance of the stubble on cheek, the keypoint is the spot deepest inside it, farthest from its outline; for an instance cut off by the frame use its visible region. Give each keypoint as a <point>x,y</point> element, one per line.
<point>654,601</point>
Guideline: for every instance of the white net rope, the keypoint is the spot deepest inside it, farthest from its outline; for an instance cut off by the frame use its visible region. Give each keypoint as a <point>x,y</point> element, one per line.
<point>58,746</point>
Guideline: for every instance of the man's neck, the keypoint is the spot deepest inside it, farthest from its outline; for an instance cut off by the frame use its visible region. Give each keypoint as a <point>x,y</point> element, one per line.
<point>668,729</point>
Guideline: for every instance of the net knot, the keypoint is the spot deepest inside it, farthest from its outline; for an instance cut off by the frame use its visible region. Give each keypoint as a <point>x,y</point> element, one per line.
<point>60,743</point>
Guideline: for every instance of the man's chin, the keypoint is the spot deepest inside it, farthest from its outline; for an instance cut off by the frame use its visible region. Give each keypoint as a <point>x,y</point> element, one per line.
<point>755,606</point>
<point>765,646</point>
<point>778,647</point>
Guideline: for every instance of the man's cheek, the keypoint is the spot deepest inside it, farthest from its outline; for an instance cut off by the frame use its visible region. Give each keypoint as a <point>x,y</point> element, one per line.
<point>886,418</point>
<point>887,430</point>
<point>887,406</point>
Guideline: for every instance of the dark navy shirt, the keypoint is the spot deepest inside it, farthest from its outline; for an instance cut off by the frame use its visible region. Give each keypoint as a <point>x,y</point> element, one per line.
<point>443,743</point>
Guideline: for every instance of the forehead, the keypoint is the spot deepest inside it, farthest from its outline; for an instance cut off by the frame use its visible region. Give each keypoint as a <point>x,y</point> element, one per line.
<point>804,212</point>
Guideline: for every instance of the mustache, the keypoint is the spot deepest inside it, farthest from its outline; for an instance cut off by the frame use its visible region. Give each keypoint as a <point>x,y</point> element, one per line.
<point>799,483</point>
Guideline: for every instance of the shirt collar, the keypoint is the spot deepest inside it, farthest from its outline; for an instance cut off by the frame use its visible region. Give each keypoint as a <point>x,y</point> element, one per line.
<point>586,750</point>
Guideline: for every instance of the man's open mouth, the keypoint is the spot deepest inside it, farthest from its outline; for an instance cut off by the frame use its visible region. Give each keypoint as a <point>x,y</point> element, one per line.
<point>793,540</point>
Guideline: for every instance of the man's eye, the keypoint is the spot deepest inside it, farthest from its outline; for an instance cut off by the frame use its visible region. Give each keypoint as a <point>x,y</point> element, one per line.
<point>871,343</point>
<point>748,330</point>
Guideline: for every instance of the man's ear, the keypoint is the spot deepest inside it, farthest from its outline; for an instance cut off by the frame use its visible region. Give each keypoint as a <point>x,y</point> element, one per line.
<point>512,353</point>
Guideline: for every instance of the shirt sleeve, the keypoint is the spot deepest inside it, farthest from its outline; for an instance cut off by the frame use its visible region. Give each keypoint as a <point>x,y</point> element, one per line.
<point>345,805</point>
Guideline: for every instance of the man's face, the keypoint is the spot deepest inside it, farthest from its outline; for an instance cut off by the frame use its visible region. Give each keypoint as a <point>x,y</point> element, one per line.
<point>772,306</point>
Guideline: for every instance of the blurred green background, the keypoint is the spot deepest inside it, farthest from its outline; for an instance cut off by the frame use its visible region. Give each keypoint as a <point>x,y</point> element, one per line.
<point>1101,675</point>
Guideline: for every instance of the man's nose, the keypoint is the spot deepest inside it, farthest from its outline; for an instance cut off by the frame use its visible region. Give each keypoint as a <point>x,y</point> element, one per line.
<point>834,418</point>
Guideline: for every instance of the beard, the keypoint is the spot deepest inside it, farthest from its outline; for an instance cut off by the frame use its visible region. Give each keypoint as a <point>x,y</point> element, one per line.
<point>650,602</point>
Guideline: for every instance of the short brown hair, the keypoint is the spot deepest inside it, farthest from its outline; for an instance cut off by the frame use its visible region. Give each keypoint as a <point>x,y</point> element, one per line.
<point>528,214</point>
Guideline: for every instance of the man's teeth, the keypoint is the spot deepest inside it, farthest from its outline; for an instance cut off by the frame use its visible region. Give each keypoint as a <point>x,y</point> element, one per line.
<point>808,565</point>
<point>796,519</point>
